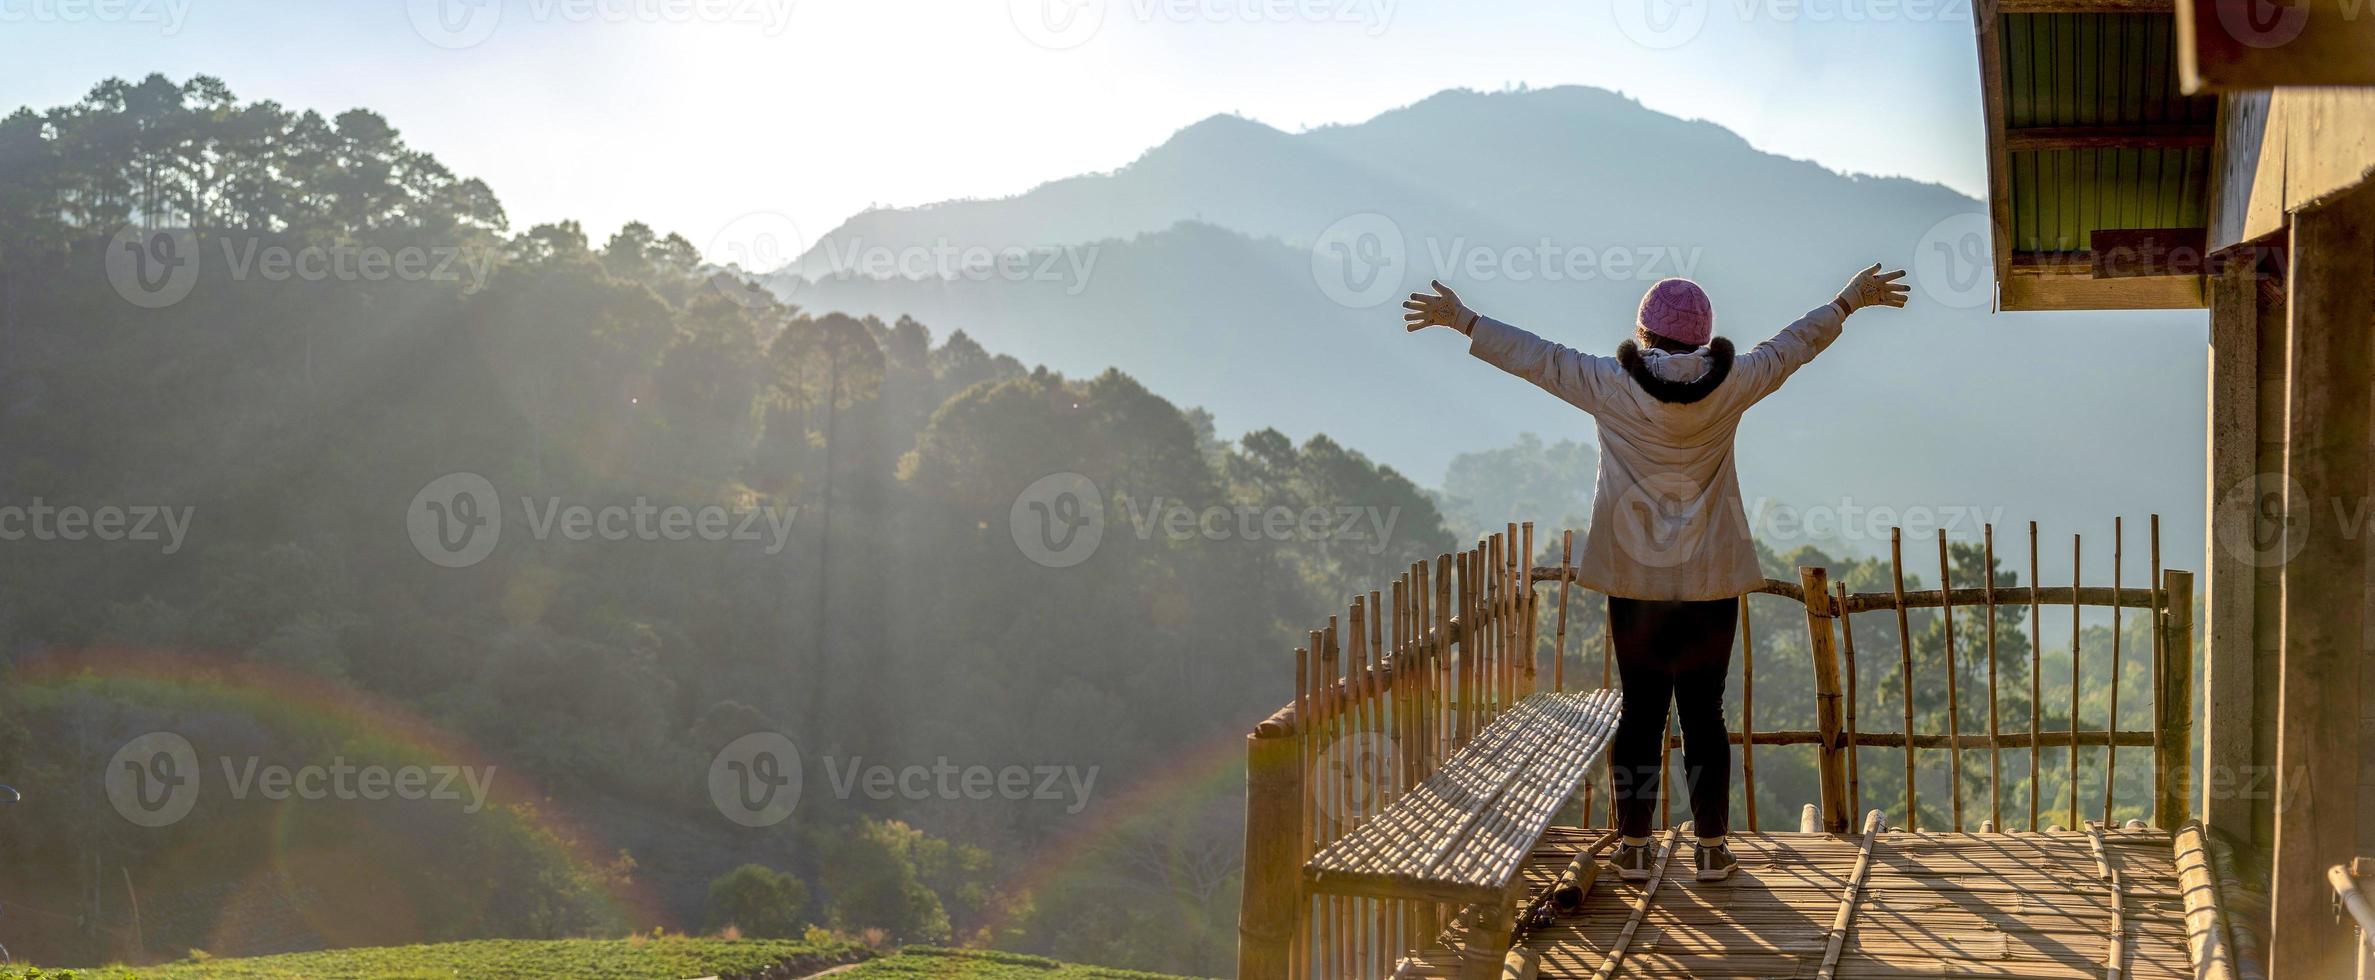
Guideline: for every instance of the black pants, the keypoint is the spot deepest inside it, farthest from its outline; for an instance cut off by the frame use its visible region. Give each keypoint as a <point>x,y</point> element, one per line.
<point>1678,653</point>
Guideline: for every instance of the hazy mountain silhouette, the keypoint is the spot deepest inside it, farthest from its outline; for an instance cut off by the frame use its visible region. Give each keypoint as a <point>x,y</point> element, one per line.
<point>1193,268</point>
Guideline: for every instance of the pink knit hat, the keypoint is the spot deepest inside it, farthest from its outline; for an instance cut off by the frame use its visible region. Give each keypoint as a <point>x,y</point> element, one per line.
<point>1677,309</point>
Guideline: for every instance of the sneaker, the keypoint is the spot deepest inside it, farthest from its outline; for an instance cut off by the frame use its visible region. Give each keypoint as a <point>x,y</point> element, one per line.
<point>1716,862</point>
<point>1632,861</point>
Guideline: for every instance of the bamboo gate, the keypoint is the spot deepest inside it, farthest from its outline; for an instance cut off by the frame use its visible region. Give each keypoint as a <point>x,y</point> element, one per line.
<point>1389,690</point>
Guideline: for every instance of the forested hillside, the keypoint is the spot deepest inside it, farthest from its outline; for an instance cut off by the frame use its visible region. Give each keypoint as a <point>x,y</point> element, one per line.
<point>294,419</point>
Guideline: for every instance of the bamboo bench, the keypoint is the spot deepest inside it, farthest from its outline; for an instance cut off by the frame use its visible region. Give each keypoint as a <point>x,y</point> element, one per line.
<point>1461,836</point>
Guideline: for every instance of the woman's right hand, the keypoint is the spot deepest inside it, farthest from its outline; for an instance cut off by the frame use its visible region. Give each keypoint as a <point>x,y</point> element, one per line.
<point>1441,308</point>
<point>1873,287</point>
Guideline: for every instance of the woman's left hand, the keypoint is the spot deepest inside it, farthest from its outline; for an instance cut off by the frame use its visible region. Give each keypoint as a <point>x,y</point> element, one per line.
<point>1442,308</point>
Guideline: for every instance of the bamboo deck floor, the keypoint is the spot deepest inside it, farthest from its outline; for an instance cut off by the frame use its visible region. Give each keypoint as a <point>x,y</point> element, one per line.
<point>1933,904</point>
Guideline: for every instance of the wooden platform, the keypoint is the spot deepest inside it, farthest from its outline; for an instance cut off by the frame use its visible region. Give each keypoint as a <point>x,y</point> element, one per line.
<point>1932,905</point>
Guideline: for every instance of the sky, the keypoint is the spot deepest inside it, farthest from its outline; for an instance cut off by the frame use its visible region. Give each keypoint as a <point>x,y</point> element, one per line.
<point>702,116</point>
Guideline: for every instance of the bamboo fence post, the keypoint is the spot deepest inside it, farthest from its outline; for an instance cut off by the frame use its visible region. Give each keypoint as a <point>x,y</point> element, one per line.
<point>1373,724</point>
<point>1491,624</point>
<point>2111,724</point>
<point>1399,676</point>
<point>1300,949</point>
<point>2175,700</point>
<point>1855,768</point>
<point>1505,619</point>
<point>1995,735</point>
<point>1748,727</point>
<point>1896,551</point>
<point>1558,663</point>
<point>1339,694</point>
<point>1357,804</point>
<point>1814,585</point>
<point>2036,685</point>
<point>1954,697</point>
<point>2076,552</point>
<point>1269,921</point>
<point>1324,792</point>
<point>1439,705</point>
<point>2160,668</point>
<point>1464,710</point>
<point>1530,627</point>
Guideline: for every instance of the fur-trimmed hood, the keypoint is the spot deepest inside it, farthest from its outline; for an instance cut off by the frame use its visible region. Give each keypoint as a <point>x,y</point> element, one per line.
<point>1677,377</point>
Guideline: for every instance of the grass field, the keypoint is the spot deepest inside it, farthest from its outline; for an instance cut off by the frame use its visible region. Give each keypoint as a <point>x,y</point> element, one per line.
<point>673,958</point>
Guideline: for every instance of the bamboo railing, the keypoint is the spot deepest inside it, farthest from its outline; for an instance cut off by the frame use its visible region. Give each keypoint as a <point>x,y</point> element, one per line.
<point>1388,691</point>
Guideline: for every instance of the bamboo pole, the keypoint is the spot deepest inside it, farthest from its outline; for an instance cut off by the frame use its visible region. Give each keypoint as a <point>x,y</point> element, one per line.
<point>1896,551</point>
<point>2111,756</point>
<point>1855,769</point>
<point>2036,686</point>
<point>1954,697</point>
<point>2205,922</point>
<point>1835,941</point>
<point>1373,724</point>
<point>1748,690</point>
<point>1268,922</point>
<point>2160,689</point>
<point>1815,581</point>
<point>1299,962</point>
<point>1615,956</point>
<point>1995,735</point>
<point>2076,566</point>
<point>1324,733</point>
<point>1529,626</point>
<point>1464,713</point>
<point>1558,663</point>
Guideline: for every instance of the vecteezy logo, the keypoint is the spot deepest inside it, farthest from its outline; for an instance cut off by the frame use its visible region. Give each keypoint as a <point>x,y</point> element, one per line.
<point>455,520</point>
<point>1952,261</point>
<point>2272,509</point>
<point>2264,23</point>
<point>1351,772</point>
<point>1057,24</point>
<point>1661,24</point>
<point>152,269</point>
<point>1359,260</point>
<point>757,243</point>
<point>1058,520</point>
<point>755,779</point>
<point>455,23</point>
<point>153,780</point>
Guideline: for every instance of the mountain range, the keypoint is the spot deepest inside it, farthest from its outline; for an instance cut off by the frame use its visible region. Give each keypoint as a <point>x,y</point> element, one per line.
<point>1257,273</point>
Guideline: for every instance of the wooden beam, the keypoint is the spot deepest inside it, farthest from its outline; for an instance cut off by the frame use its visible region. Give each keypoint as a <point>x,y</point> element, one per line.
<point>2331,355</point>
<point>2137,253</point>
<point>2021,292</point>
<point>2029,139</point>
<point>2237,45</point>
<point>2232,549</point>
<point>1999,159</point>
<point>2173,703</point>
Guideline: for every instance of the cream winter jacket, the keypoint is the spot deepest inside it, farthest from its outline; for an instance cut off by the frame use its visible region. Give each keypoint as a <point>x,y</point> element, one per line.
<point>1667,519</point>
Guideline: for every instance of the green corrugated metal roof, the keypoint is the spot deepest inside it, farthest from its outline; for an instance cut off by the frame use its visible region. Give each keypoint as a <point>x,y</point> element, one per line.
<point>2098,69</point>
